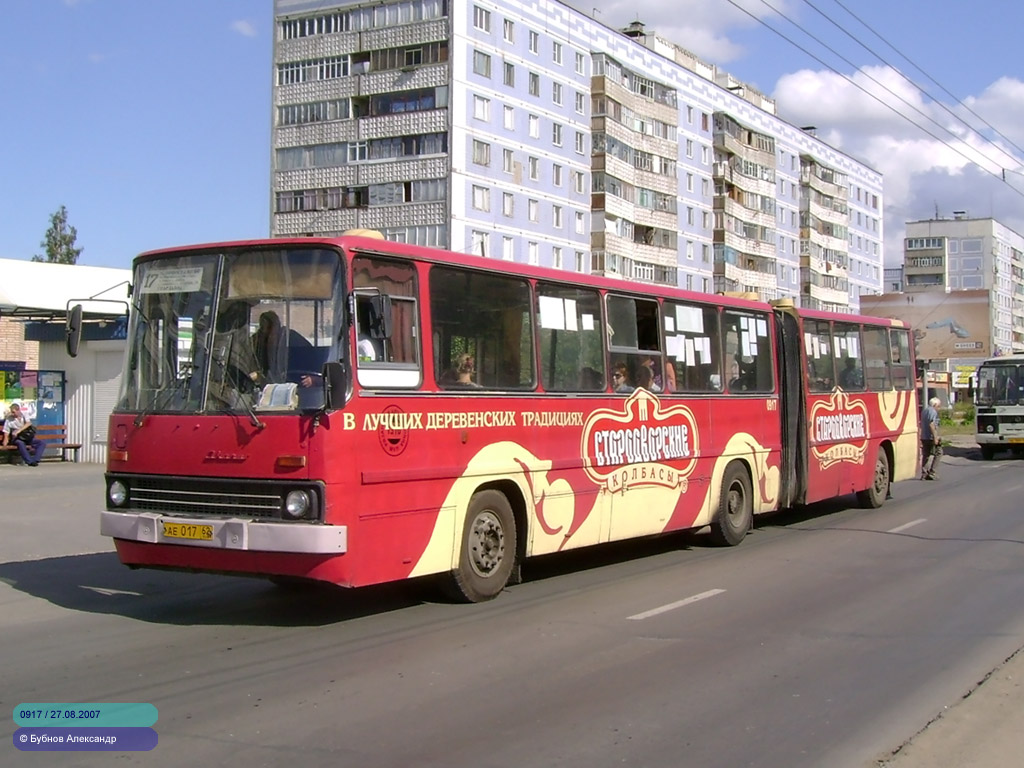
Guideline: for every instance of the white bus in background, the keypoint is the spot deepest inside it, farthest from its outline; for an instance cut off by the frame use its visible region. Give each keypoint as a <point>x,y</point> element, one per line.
<point>999,405</point>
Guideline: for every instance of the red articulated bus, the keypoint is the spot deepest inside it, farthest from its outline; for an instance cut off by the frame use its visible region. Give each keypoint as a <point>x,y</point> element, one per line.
<point>357,411</point>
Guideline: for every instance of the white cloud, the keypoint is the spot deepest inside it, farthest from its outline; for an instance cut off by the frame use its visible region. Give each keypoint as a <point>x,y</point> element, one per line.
<point>244,28</point>
<point>951,169</point>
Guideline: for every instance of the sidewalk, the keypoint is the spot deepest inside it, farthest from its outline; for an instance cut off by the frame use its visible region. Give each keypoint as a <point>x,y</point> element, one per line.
<point>984,729</point>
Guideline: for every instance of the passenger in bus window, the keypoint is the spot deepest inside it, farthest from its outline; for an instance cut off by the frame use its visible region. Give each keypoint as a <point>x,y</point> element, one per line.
<point>591,379</point>
<point>620,379</point>
<point>463,371</point>
<point>645,379</point>
<point>851,377</point>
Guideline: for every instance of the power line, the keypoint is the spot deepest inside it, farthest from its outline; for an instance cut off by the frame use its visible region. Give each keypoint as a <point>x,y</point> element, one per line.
<point>862,88</point>
<point>921,70</point>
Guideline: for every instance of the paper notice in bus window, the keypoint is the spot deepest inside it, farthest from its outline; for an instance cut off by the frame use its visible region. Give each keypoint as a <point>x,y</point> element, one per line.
<point>570,315</point>
<point>707,348</point>
<point>743,323</point>
<point>762,327</point>
<point>816,347</point>
<point>670,324</point>
<point>852,344</point>
<point>587,320</point>
<point>673,345</point>
<point>698,348</point>
<point>745,345</point>
<point>180,280</point>
<point>808,344</point>
<point>690,358</point>
<point>552,313</point>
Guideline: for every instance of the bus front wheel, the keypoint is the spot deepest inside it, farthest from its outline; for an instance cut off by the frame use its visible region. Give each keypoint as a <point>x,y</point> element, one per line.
<point>735,508</point>
<point>874,496</point>
<point>488,548</point>
<point>988,452</point>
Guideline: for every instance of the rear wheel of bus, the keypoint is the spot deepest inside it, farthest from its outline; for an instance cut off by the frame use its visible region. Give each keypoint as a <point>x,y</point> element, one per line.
<point>488,548</point>
<point>735,507</point>
<point>874,496</point>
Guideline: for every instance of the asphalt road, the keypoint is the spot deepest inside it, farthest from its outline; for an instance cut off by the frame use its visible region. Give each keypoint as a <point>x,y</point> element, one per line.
<point>828,638</point>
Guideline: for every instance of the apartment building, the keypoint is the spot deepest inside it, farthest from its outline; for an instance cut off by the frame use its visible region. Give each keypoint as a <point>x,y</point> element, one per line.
<point>965,253</point>
<point>531,132</point>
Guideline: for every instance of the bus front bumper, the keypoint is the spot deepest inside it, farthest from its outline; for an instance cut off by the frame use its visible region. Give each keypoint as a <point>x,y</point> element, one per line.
<point>230,533</point>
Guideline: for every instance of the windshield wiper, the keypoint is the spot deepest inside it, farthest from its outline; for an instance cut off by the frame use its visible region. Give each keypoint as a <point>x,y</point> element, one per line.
<point>163,395</point>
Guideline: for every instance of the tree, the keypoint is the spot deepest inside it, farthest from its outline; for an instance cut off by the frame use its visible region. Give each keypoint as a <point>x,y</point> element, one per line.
<point>60,240</point>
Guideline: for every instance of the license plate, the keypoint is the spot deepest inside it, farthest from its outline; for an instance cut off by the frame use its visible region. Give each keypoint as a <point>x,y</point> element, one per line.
<point>188,531</point>
<point>1016,440</point>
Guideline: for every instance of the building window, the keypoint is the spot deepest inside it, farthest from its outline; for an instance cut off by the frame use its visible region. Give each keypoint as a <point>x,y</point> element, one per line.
<point>508,204</point>
<point>534,252</point>
<point>556,52</point>
<point>556,257</point>
<point>689,182</point>
<point>481,108</point>
<point>510,74</point>
<point>533,210</point>
<point>577,181</point>
<point>509,118</point>
<point>481,198</point>
<point>534,87</point>
<point>580,143</point>
<point>481,63</point>
<point>478,243</point>
<point>534,164</point>
<point>556,216</point>
<point>556,134</point>
<point>580,64</point>
<point>508,248</point>
<point>508,29</point>
<point>534,126</point>
<point>481,19</point>
<point>579,223</point>
<point>556,93</point>
<point>581,103</point>
<point>556,175</point>
<point>506,160</point>
<point>534,42</point>
<point>481,152</point>
<point>689,147</point>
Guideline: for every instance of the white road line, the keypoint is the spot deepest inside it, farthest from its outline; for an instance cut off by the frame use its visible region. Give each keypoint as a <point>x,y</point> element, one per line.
<point>673,606</point>
<point>904,527</point>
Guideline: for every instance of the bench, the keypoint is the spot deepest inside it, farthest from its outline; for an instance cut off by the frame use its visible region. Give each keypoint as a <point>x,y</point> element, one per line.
<point>55,436</point>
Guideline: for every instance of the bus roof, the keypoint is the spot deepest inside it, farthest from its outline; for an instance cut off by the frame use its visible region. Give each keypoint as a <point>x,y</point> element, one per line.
<point>375,245</point>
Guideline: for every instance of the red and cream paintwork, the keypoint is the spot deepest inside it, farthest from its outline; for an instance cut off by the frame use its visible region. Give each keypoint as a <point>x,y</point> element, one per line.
<point>643,468</point>
<point>399,475</point>
<point>846,430</point>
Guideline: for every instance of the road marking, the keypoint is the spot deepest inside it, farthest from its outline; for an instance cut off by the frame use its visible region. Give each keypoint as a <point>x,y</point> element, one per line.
<point>673,606</point>
<point>110,592</point>
<point>904,527</point>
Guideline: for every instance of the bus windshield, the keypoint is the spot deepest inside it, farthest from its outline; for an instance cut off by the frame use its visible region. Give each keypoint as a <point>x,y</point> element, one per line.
<point>237,330</point>
<point>1000,384</point>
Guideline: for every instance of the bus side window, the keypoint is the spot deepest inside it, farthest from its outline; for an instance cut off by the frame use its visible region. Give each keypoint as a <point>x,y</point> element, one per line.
<point>393,361</point>
<point>877,374</point>
<point>693,349</point>
<point>569,333</point>
<point>849,364</point>
<point>749,366</point>
<point>902,372</point>
<point>482,330</point>
<point>634,340</point>
<point>818,346</point>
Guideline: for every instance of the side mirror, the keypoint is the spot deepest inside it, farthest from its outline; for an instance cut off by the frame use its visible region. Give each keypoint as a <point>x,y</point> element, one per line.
<point>333,375</point>
<point>73,330</point>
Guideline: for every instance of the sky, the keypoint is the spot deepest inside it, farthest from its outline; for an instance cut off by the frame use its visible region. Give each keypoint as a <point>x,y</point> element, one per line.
<point>150,119</point>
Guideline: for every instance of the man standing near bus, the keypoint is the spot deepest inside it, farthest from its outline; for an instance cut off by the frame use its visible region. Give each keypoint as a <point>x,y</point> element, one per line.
<point>931,443</point>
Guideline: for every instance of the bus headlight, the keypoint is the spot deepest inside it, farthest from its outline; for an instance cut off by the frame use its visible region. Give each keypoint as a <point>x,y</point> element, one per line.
<point>296,504</point>
<point>117,493</point>
<point>990,428</point>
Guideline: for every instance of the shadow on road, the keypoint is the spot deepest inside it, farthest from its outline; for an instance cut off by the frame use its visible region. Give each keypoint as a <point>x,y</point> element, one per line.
<point>98,583</point>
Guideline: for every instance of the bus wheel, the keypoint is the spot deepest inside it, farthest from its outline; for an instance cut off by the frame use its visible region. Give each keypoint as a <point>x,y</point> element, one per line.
<point>874,496</point>
<point>488,548</point>
<point>988,452</point>
<point>735,508</point>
